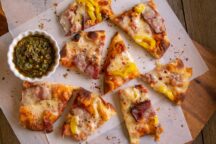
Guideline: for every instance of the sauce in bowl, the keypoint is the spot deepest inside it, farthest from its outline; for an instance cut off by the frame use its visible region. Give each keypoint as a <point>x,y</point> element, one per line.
<point>34,56</point>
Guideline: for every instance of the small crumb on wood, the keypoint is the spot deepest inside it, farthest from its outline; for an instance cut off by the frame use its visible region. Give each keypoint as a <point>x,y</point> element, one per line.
<point>3,78</point>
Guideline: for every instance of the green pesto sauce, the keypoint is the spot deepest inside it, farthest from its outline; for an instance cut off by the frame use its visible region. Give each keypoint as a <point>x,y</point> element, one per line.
<point>34,56</point>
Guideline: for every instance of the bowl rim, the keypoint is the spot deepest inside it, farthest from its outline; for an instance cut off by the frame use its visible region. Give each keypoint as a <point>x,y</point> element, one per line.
<point>20,37</point>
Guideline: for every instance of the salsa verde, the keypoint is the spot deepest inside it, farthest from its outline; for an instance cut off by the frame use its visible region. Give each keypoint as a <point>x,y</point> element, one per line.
<point>34,56</point>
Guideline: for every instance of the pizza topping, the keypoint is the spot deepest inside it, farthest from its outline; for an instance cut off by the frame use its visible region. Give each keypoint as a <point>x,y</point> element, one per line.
<point>154,19</point>
<point>139,8</point>
<point>80,61</point>
<point>84,52</point>
<point>139,109</point>
<point>73,124</point>
<point>165,90</point>
<point>93,9</point>
<point>93,35</point>
<point>145,41</point>
<point>76,37</point>
<point>125,71</point>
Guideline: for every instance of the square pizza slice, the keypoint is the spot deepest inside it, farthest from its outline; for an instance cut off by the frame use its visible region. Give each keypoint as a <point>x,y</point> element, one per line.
<point>146,27</point>
<point>138,114</point>
<point>42,104</point>
<point>171,80</point>
<point>83,14</point>
<point>88,112</point>
<point>84,52</point>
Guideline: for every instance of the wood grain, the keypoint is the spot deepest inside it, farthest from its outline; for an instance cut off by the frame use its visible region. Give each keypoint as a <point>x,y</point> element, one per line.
<point>7,135</point>
<point>200,103</point>
<point>177,7</point>
<point>200,16</point>
<point>209,131</point>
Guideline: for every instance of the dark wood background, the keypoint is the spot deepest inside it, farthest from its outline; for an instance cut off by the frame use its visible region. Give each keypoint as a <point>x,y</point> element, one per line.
<point>199,19</point>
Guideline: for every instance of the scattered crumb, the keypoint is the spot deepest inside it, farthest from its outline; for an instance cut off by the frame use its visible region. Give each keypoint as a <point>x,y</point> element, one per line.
<point>3,78</point>
<point>12,96</point>
<point>109,24</point>
<point>55,4</point>
<point>97,87</point>
<point>16,21</point>
<point>186,59</point>
<point>179,38</point>
<point>185,45</point>
<point>47,20</point>
<point>182,125</point>
<point>114,137</point>
<point>65,75</point>
<point>107,137</point>
<point>171,45</point>
<point>41,26</point>
<point>68,70</point>
<point>158,109</point>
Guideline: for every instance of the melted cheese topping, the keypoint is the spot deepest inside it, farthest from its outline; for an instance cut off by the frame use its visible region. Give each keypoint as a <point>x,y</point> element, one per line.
<point>85,123</point>
<point>129,97</point>
<point>39,99</point>
<point>122,65</point>
<point>170,82</point>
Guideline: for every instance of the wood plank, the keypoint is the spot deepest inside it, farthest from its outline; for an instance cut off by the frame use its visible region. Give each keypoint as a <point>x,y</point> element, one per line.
<point>200,16</point>
<point>199,139</point>
<point>177,7</point>
<point>7,135</point>
<point>200,103</point>
<point>3,27</point>
<point>209,132</point>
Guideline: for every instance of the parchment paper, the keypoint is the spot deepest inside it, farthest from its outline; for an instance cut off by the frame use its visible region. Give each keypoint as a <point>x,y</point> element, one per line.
<point>170,116</point>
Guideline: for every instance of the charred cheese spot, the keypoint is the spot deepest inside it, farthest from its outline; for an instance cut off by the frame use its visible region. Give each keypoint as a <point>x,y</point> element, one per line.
<point>76,37</point>
<point>92,35</point>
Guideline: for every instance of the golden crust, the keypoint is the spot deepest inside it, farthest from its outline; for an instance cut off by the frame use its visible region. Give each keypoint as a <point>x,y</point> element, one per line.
<point>146,121</point>
<point>173,75</point>
<point>116,48</point>
<point>32,114</point>
<point>161,39</point>
<point>90,110</point>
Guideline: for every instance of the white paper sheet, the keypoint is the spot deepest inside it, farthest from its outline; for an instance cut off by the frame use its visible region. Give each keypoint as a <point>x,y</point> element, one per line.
<point>170,116</point>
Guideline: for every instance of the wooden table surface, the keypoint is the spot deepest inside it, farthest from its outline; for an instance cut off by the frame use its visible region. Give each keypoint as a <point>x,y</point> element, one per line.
<point>198,18</point>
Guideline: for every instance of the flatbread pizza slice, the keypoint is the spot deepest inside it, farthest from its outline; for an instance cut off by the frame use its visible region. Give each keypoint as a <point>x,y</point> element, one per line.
<point>82,14</point>
<point>171,80</point>
<point>88,112</point>
<point>42,104</point>
<point>138,114</point>
<point>84,52</point>
<point>146,27</point>
<point>119,67</point>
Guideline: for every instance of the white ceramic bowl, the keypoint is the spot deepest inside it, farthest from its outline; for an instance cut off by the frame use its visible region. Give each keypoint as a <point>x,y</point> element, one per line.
<point>20,37</point>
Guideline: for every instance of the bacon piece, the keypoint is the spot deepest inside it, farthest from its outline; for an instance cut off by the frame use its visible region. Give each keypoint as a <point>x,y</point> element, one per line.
<point>154,20</point>
<point>139,109</point>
